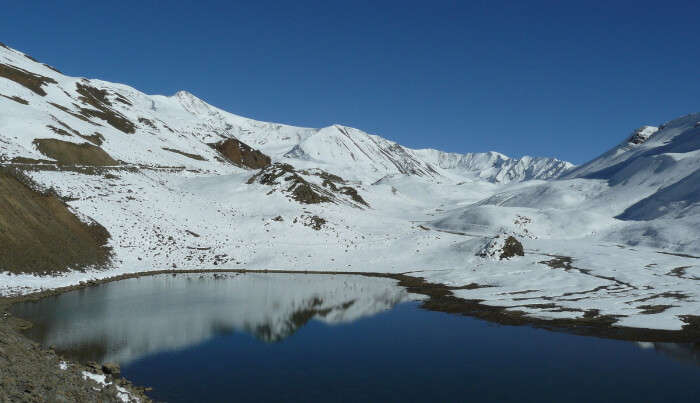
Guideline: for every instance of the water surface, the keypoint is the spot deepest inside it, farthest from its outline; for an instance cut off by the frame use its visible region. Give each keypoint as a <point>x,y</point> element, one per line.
<point>282,337</point>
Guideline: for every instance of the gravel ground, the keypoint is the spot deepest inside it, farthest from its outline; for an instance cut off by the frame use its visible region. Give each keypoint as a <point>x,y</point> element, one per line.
<point>29,373</point>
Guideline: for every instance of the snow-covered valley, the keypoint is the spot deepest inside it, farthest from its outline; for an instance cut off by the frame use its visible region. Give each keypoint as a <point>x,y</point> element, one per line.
<point>615,238</point>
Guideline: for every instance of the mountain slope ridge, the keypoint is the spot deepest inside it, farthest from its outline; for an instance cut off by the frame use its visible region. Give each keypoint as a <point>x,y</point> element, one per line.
<point>186,123</point>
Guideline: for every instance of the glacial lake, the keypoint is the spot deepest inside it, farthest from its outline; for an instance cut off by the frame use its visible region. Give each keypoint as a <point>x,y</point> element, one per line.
<point>296,337</point>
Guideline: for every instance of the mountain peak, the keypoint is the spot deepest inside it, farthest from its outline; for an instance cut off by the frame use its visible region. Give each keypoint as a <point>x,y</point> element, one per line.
<point>185,95</point>
<point>192,104</point>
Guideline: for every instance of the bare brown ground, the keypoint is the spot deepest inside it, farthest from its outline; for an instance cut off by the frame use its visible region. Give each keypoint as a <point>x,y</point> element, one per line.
<point>241,154</point>
<point>66,152</point>
<point>39,234</point>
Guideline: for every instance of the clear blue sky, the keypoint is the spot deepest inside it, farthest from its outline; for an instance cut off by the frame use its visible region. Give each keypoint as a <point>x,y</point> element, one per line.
<point>525,77</point>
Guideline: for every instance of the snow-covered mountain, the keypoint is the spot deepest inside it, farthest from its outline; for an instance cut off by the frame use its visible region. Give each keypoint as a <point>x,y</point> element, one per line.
<point>658,168</point>
<point>40,103</point>
<point>496,167</point>
<point>618,213</point>
<point>645,191</point>
<point>173,182</point>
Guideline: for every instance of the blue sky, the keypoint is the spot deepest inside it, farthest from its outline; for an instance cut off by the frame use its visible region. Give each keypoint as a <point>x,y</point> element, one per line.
<point>565,79</point>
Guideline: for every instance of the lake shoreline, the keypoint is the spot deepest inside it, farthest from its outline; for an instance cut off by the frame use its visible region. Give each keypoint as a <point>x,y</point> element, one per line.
<point>32,373</point>
<point>440,299</point>
<point>18,348</point>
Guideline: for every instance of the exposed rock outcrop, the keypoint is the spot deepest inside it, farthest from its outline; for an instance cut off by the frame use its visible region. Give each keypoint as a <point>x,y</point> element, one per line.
<point>512,247</point>
<point>308,186</point>
<point>241,154</point>
<point>98,99</point>
<point>502,247</point>
<point>642,134</point>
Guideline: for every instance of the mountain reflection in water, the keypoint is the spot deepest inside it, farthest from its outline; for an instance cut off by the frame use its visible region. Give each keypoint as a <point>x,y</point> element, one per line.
<point>124,320</point>
<point>687,352</point>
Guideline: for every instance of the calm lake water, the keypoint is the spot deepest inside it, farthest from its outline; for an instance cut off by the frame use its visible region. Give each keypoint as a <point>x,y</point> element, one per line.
<point>280,337</point>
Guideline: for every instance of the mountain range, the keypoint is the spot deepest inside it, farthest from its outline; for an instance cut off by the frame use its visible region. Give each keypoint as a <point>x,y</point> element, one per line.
<point>100,179</point>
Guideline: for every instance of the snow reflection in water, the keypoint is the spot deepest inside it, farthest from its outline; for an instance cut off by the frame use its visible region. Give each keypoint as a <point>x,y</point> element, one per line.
<point>127,319</point>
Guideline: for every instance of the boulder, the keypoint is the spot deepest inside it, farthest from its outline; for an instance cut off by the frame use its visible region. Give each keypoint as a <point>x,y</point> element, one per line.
<point>512,247</point>
<point>111,368</point>
<point>501,247</point>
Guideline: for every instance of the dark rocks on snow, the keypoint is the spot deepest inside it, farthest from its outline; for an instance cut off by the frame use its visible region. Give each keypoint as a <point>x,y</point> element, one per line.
<point>299,188</point>
<point>512,247</point>
<point>639,136</point>
<point>270,175</point>
<point>292,182</point>
<point>347,190</point>
<point>303,192</point>
<point>31,81</point>
<point>501,248</point>
<point>98,99</point>
<point>148,123</point>
<point>316,222</point>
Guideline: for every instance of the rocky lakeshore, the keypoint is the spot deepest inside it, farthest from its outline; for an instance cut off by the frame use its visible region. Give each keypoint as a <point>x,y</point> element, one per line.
<point>30,373</point>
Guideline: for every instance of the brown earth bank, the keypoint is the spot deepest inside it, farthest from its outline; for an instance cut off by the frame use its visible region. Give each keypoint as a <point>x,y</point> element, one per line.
<point>241,154</point>
<point>65,152</point>
<point>38,232</point>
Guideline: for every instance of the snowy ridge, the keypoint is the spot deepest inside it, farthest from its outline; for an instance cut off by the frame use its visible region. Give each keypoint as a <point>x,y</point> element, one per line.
<point>185,123</point>
<point>344,149</point>
<point>496,167</point>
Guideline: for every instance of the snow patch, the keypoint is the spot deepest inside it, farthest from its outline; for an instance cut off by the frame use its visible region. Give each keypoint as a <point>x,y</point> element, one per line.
<point>122,394</point>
